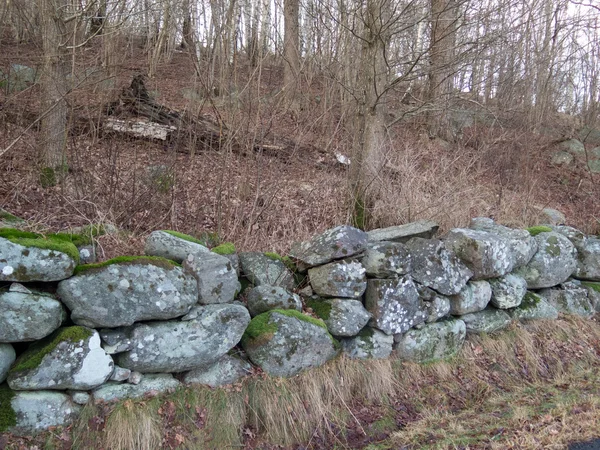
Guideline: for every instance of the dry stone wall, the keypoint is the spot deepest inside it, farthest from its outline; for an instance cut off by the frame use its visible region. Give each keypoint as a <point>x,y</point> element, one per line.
<point>182,314</point>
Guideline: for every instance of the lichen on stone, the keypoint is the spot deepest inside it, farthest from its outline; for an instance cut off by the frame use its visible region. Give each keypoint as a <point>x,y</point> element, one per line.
<point>128,260</point>
<point>34,355</point>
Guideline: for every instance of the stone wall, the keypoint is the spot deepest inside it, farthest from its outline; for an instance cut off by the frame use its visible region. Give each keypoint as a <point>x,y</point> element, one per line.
<point>72,333</point>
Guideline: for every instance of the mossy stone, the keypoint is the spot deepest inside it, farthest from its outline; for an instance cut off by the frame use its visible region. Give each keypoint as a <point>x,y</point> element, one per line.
<point>34,355</point>
<point>534,231</point>
<point>320,308</point>
<point>226,248</point>
<point>185,237</point>
<point>130,260</point>
<point>592,285</point>
<point>8,418</point>
<point>54,242</point>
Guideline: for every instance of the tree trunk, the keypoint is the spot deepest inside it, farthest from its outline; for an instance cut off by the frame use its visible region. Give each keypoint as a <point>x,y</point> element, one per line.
<point>291,56</point>
<point>55,87</point>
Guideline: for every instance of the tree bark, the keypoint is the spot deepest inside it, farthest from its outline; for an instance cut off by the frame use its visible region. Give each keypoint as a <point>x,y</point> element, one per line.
<point>291,56</point>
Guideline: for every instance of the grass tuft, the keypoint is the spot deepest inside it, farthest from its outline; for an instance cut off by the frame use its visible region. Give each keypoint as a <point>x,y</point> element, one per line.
<point>133,426</point>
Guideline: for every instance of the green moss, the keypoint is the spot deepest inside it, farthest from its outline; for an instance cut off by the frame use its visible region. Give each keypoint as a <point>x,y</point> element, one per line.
<point>298,315</point>
<point>84,237</point>
<point>274,256</point>
<point>530,301</point>
<point>185,237</point>
<point>534,231</point>
<point>321,308</point>
<point>552,246</point>
<point>51,242</point>
<point>259,330</point>
<point>8,418</point>
<point>591,284</point>
<point>226,248</point>
<point>129,260</point>
<point>34,355</point>
<point>47,177</point>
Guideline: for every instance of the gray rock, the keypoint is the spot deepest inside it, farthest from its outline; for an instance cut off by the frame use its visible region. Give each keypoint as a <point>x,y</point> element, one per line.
<point>284,343</point>
<point>123,293</point>
<point>425,229</point>
<point>433,342</point>
<point>533,307</point>
<point>561,158</point>
<point>394,304</point>
<point>260,270</point>
<point>265,298</point>
<point>522,245</point>
<point>343,317</point>
<point>41,410</point>
<point>120,374</point>
<point>588,258</point>
<point>572,146</point>
<point>87,254</point>
<point>435,305</point>
<point>487,321</point>
<point>174,346</point>
<point>7,357</point>
<point>227,370</point>
<point>508,291</point>
<point>553,263</point>
<point>28,317</point>
<point>552,216</point>
<point>166,245</point>
<point>234,259</point>
<point>369,344</point>
<point>217,279</point>
<point>25,263</point>
<point>569,301</point>
<point>150,385</point>
<point>79,397</point>
<point>386,259</point>
<point>135,378</point>
<point>71,358</point>
<point>487,255</point>
<point>474,297</point>
<point>435,267</point>
<point>116,340</point>
<point>335,243</point>
<point>338,279</point>
<point>593,292</point>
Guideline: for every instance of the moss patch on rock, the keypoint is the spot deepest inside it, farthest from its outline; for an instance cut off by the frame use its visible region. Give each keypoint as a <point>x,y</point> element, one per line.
<point>185,237</point>
<point>34,355</point>
<point>530,301</point>
<point>128,260</point>
<point>534,231</point>
<point>52,242</point>
<point>8,418</point>
<point>320,308</point>
<point>592,285</point>
<point>83,237</point>
<point>226,248</point>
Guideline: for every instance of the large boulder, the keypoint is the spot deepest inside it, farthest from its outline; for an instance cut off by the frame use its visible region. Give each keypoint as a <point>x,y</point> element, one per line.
<point>369,344</point>
<point>33,412</point>
<point>150,384</point>
<point>553,263</point>
<point>216,276</point>
<point>336,243</point>
<point>433,342</point>
<point>486,254</point>
<point>172,245</point>
<point>7,357</point>
<point>489,320</point>
<point>394,303</point>
<point>28,316</point>
<point>508,291</point>
<point>569,301</point>
<point>593,292</point>
<point>343,317</point>
<point>588,253</point>
<point>425,229</point>
<point>437,268</point>
<point>386,260</point>
<point>285,342</point>
<point>261,269</point>
<point>27,257</point>
<point>338,279</point>
<point>121,292</point>
<point>521,243</point>
<point>265,298</point>
<point>71,358</point>
<point>474,297</point>
<point>174,346</point>
<point>533,307</point>
<point>227,370</point>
